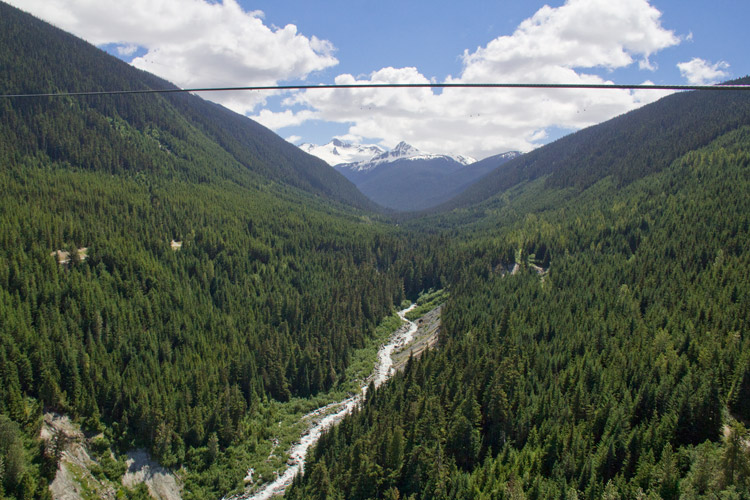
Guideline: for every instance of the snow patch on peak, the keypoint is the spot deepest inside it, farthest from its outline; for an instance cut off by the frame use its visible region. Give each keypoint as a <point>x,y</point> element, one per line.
<point>364,157</point>
<point>509,155</point>
<point>338,151</point>
<point>404,151</point>
<point>464,160</point>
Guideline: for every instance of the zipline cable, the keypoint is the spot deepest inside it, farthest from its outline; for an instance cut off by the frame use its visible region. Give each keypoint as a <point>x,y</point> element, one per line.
<point>598,86</point>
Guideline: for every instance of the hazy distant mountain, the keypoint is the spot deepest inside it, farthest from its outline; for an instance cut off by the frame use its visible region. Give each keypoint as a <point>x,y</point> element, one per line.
<point>337,151</point>
<point>407,179</point>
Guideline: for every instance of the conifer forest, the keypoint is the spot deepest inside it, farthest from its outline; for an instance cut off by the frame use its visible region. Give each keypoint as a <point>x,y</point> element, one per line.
<point>174,277</point>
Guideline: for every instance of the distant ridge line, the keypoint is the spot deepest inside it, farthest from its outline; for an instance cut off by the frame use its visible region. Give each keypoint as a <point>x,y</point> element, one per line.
<point>598,86</point>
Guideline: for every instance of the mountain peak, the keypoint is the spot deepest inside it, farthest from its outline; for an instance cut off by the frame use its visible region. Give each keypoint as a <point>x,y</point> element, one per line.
<point>400,152</point>
<point>338,151</point>
<point>403,149</point>
<point>405,178</point>
<point>363,157</point>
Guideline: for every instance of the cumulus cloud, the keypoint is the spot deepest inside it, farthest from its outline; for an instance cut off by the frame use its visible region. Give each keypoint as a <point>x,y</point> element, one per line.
<point>698,71</point>
<point>127,50</point>
<point>286,118</point>
<point>199,43</point>
<point>194,43</point>
<point>555,45</point>
<point>579,34</point>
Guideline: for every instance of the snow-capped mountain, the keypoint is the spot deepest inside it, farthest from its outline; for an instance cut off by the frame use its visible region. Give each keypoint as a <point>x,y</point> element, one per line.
<point>404,178</point>
<point>403,151</point>
<point>337,151</point>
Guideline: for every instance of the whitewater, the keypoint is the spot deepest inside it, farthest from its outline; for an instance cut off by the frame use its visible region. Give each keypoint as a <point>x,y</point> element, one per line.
<point>382,372</point>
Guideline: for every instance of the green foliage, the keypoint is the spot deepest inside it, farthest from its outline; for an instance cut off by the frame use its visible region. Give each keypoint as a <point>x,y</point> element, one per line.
<point>20,471</point>
<point>12,455</point>
<point>594,335</point>
<point>109,467</point>
<point>140,492</point>
<point>277,284</point>
<point>427,302</point>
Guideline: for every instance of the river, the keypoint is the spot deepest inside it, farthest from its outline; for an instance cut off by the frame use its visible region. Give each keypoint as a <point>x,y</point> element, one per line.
<point>382,372</point>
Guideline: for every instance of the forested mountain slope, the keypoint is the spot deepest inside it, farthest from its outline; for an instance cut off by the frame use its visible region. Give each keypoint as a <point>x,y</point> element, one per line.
<point>628,147</point>
<point>213,267</point>
<point>216,270</point>
<point>613,365</point>
<point>169,132</point>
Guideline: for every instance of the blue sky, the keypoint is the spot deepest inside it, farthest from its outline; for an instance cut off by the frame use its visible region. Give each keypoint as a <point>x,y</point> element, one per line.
<point>243,42</point>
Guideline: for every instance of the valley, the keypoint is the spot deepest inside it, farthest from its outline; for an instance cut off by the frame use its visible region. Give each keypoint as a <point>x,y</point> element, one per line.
<point>79,474</point>
<point>405,178</point>
<point>323,418</point>
<point>187,298</point>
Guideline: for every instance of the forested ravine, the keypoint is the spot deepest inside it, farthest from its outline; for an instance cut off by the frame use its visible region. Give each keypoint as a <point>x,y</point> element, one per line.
<point>333,413</point>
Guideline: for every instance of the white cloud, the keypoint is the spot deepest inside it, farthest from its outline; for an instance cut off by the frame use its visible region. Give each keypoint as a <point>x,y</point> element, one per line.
<point>286,118</point>
<point>698,71</point>
<point>350,138</point>
<point>579,34</point>
<point>194,43</point>
<point>127,50</point>
<point>197,43</point>
<point>555,45</point>
<point>294,139</point>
